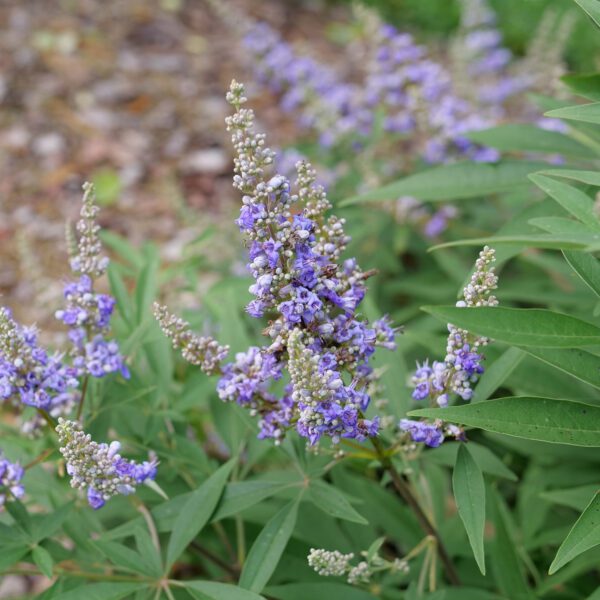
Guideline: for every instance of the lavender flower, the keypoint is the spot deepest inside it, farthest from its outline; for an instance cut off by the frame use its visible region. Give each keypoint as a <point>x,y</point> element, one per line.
<point>99,467</point>
<point>88,313</point>
<point>311,298</point>
<point>11,475</point>
<point>462,365</point>
<point>326,104</point>
<point>486,61</point>
<point>28,374</point>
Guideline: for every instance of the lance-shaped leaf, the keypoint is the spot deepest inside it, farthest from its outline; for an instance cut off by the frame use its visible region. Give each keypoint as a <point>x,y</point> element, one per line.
<point>584,535</point>
<point>588,113</point>
<point>196,512</point>
<point>268,547</point>
<point>521,326</point>
<point>542,419</point>
<point>212,590</point>
<point>579,204</point>
<point>456,181</point>
<point>469,491</point>
<point>333,502</point>
<point>587,267</point>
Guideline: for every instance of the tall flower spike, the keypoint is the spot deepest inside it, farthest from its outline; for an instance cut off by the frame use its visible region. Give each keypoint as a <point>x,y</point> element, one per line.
<point>310,296</point>
<point>27,373</point>
<point>99,468</point>
<point>202,351</point>
<point>88,313</point>
<point>11,475</point>
<point>462,365</point>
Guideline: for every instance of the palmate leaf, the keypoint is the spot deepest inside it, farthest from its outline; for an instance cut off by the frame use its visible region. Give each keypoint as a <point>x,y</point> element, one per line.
<point>268,547</point>
<point>101,591</point>
<point>455,181</point>
<point>584,535</point>
<point>211,590</point>
<point>469,491</point>
<point>317,590</point>
<point>197,510</point>
<point>521,326</point>
<point>542,419</point>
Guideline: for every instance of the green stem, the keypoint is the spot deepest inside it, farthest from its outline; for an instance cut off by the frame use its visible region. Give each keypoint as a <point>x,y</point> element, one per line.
<point>405,492</point>
<point>83,394</point>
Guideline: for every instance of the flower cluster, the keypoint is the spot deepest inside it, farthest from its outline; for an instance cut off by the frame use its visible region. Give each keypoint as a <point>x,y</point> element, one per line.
<point>202,351</point>
<point>326,104</point>
<point>414,93</point>
<point>418,96</point>
<point>332,563</point>
<point>11,475</point>
<point>462,365</point>
<point>294,257</point>
<point>310,296</point>
<point>99,467</point>
<point>28,374</point>
<point>409,210</point>
<point>88,313</point>
<point>486,60</point>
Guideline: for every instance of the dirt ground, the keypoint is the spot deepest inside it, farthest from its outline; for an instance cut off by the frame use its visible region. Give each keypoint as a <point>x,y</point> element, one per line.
<point>129,95</point>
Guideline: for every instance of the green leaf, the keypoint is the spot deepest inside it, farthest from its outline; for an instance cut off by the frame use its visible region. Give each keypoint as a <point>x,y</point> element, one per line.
<point>241,495</point>
<point>495,375</point>
<point>587,267</point>
<point>124,557</point>
<point>146,286</point>
<point>455,181</point>
<point>19,513</point>
<point>580,205</point>
<point>9,555</point>
<point>469,491</point>
<point>561,226</point>
<point>588,113</point>
<point>525,137</point>
<point>101,591</point>
<point>333,502</point>
<point>317,591</point>
<point>197,511</point>
<point>584,535</point>
<point>488,462</point>
<point>544,240</point>
<point>592,8</point>
<point>119,291</point>
<point>210,590</point>
<point>107,185</point>
<point>588,177</point>
<point>265,554</point>
<point>542,419</point>
<point>574,361</point>
<point>587,85</point>
<point>504,558</point>
<point>520,326</point>
<point>577,498</point>
<point>41,557</point>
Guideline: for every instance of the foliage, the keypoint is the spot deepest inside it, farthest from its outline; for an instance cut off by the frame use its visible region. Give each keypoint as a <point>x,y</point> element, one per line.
<point>489,490</point>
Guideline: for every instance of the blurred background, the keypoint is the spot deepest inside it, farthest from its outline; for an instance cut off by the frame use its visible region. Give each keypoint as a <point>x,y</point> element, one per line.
<point>130,95</point>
